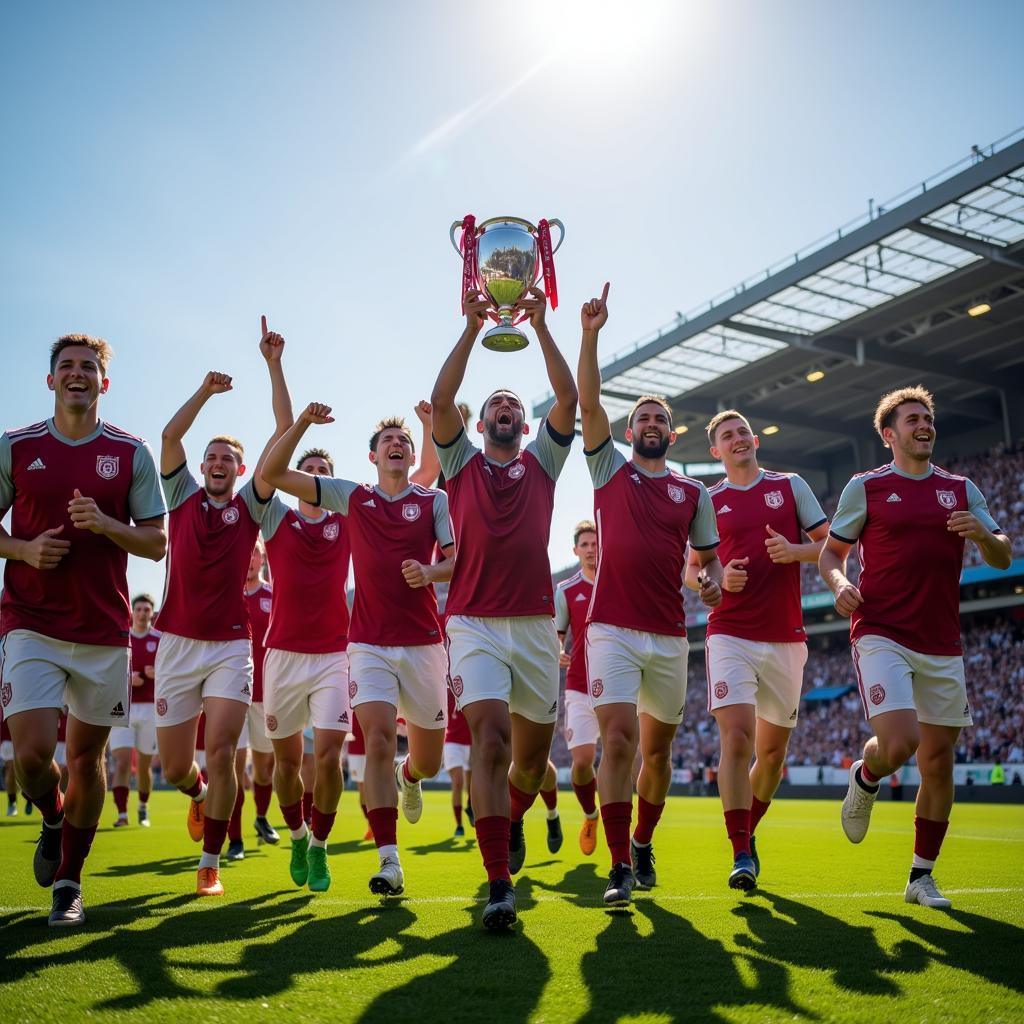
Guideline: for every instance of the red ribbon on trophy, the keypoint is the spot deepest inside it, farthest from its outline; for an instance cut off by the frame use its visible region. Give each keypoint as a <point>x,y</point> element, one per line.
<point>468,256</point>
<point>547,262</point>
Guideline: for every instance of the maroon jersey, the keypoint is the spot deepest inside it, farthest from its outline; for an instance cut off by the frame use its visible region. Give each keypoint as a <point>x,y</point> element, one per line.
<point>84,599</point>
<point>457,730</point>
<point>356,744</point>
<point>644,522</point>
<point>258,605</point>
<point>209,546</point>
<point>502,518</point>
<point>309,560</point>
<point>572,602</point>
<point>767,609</point>
<point>910,562</point>
<point>384,531</point>
<point>144,656</point>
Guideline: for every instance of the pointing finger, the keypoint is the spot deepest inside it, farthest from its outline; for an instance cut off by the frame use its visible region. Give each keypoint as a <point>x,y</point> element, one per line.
<point>604,293</point>
<point>263,326</point>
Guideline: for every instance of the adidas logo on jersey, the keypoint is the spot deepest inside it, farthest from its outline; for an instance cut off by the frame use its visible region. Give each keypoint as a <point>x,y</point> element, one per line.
<point>893,497</point>
<point>724,508</point>
<point>117,711</point>
<point>439,717</point>
<point>297,526</point>
<point>38,464</point>
<point>370,504</point>
<point>581,597</point>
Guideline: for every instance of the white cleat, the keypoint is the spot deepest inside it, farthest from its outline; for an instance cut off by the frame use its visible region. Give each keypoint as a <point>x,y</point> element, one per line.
<point>389,880</point>
<point>411,796</point>
<point>857,804</point>
<point>12,810</point>
<point>923,890</point>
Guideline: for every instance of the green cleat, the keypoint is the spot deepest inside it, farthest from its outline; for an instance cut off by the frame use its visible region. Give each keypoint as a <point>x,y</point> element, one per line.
<point>319,872</point>
<point>299,866</point>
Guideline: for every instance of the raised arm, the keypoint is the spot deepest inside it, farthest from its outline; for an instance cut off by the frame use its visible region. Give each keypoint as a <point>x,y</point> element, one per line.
<point>429,469</point>
<point>562,414</point>
<point>446,420</point>
<point>272,348</point>
<point>596,428</point>
<point>276,469</point>
<point>172,451</point>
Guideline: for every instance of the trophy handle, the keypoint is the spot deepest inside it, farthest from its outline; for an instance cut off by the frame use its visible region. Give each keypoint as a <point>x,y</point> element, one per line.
<point>455,245</point>
<point>552,221</point>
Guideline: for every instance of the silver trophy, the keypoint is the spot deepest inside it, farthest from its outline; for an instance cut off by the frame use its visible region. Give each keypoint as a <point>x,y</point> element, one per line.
<point>503,258</point>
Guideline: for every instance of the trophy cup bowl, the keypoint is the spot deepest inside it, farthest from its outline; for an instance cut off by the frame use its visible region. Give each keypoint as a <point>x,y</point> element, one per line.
<point>508,264</point>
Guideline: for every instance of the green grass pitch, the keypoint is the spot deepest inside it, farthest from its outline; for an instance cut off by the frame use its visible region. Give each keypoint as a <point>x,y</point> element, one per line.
<point>826,938</point>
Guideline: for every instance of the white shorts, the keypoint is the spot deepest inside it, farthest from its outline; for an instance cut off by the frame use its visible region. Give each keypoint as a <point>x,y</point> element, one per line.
<point>6,751</point>
<point>187,671</point>
<point>356,767</point>
<point>892,677</point>
<point>581,726</point>
<point>60,752</point>
<point>412,679</point>
<point>625,666</point>
<point>456,755</point>
<point>514,660</point>
<point>769,676</point>
<point>254,732</point>
<point>37,671</point>
<point>305,689</point>
<point>139,733</point>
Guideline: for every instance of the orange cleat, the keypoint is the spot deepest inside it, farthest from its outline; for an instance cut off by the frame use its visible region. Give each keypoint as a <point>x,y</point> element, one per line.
<point>196,820</point>
<point>588,836</point>
<point>208,882</point>
<point>368,838</point>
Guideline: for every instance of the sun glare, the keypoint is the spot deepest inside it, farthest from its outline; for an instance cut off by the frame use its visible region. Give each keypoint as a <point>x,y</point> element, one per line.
<point>602,32</point>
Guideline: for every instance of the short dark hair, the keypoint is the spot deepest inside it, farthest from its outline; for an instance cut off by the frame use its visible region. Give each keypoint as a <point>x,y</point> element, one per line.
<point>501,391</point>
<point>885,413</point>
<point>719,418</point>
<point>647,400</point>
<point>315,453</point>
<point>98,346</point>
<point>148,598</point>
<point>583,526</point>
<point>391,423</point>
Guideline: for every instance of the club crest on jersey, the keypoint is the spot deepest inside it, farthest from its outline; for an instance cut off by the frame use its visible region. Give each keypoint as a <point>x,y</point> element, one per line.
<point>230,515</point>
<point>774,499</point>
<point>161,707</point>
<point>265,604</point>
<point>107,466</point>
<point>877,694</point>
<point>5,694</point>
<point>331,531</point>
<point>457,686</point>
<point>271,723</point>
<point>411,512</point>
<point>947,499</point>
<point>596,688</point>
<point>516,471</point>
<point>676,493</point>
<point>721,691</point>
<point>151,646</point>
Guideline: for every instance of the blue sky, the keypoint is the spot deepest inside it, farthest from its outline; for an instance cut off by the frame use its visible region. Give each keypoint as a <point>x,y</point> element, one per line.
<point>170,172</point>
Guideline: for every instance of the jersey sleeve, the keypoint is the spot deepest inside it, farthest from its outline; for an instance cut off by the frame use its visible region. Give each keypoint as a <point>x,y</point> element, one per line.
<point>977,504</point>
<point>6,480</point>
<point>144,499</point>
<point>550,449</point>
<point>809,512</point>
<point>561,611</point>
<point>704,528</point>
<point>256,505</point>
<point>179,485</point>
<point>273,517</point>
<point>333,493</point>
<point>456,454</point>
<point>442,521</point>
<point>851,514</point>
<point>604,462</point>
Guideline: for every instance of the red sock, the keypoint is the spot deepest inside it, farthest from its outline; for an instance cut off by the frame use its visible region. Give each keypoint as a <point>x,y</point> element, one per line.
<point>616,818</point>
<point>121,799</point>
<point>322,823</point>
<point>586,793</point>
<point>74,848</point>
<point>261,795</point>
<point>214,831</point>
<point>737,824</point>
<point>307,805</point>
<point>196,788</point>
<point>550,797</point>
<point>757,812</point>
<point>928,836</point>
<point>51,806</point>
<point>204,775</point>
<point>865,774</point>
<point>143,796</point>
<point>492,838</point>
<point>235,822</point>
<point>292,814</point>
<point>406,773</point>
<point>458,815</point>
<point>521,802</point>
<point>647,817</point>
<point>384,824</point>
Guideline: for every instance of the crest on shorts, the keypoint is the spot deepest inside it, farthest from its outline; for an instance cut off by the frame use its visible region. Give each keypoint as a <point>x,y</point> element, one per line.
<point>596,688</point>
<point>353,689</point>
<point>774,499</point>
<point>271,723</point>
<point>265,604</point>
<point>331,531</point>
<point>161,707</point>
<point>877,694</point>
<point>516,471</point>
<point>107,466</point>
<point>676,494</point>
<point>411,512</point>
<point>5,694</point>
<point>230,515</point>
<point>947,499</point>
<point>568,735</point>
<point>457,686</point>
<point>721,690</point>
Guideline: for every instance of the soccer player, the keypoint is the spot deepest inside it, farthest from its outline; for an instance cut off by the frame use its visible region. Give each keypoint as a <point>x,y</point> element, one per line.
<point>572,602</point>
<point>502,644</point>
<point>356,754</point>
<point>458,744</point>
<point>636,633</point>
<point>76,486</point>
<point>397,663</point>
<point>7,756</point>
<point>910,521</point>
<point>204,662</point>
<point>756,647</point>
<point>140,732</point>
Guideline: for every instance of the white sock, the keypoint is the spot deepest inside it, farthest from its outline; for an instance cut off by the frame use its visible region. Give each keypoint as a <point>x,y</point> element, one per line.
<point>209,860</point>
<point>202,795</point>
<point>552,814</point>
<point>56,825</point>
<point>299,833</point>
<point>920,862</point>
<point>387,851</point>
<point>319,843</point>
<point>594,816</point>
<point>643,846</point>
<point>67,883</point>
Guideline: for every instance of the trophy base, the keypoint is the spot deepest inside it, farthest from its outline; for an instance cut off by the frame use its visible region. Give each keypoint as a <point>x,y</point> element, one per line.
<point>505,339</point>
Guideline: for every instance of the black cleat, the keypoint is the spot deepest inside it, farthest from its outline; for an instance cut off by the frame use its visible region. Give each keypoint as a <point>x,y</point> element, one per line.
<point>236,850</point>
<point>743,875</point>
<point>28,806</point>
<point>554,834</point>
<point>643,864</point>
<point>500,913</point>
<point>47,856</point>
<point>619,892</point>
<point>266,833</point>
<point>68,909</point>
<point>754,857</point>
<point>516,847</point>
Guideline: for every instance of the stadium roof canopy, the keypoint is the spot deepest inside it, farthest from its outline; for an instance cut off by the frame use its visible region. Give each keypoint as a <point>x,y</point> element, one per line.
<point>927,288</point>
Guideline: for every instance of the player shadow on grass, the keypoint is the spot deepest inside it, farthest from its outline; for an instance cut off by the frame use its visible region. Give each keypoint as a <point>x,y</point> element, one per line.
<point>989,949</point>
<point>448,845</point>
<point>794,933</point>
<point>167,867</point>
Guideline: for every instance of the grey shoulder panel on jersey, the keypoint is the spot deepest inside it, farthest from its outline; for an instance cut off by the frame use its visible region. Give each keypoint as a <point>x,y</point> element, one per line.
<point>145,500</point>
<point>442,520</point>
<point>179,485</point>
<point>273,517</point>
<point>852,512</point>
<point>455,455</point>
<point>550,449</point>
<point>604,462</point>
<point>809,512</point>
<point>333,493</point>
